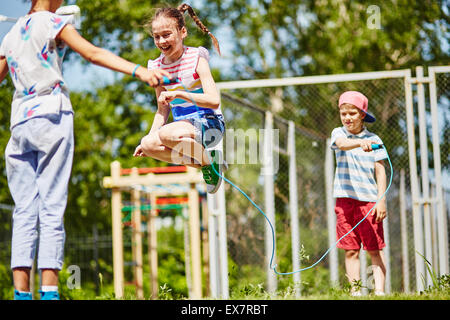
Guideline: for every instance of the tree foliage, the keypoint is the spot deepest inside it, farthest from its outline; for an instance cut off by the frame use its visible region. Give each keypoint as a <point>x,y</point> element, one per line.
<point>294,38</point>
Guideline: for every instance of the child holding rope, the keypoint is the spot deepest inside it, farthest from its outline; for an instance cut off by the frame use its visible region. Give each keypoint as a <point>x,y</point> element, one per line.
<point>40,151</point>
<point>356,190</point>
<point>194,101</point>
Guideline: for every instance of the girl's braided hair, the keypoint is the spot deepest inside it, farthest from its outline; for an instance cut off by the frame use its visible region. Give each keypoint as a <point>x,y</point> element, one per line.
<point>177,14</point>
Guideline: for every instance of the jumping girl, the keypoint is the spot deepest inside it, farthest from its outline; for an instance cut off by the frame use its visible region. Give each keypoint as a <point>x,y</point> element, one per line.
<point>193,99</point>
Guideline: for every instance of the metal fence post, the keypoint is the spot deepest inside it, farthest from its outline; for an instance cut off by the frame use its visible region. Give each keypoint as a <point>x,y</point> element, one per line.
<point>404,232</point>
<point>424,166</point>
<point>223,247</point>
<point>293,206</point>
<point>331,216</point>
<point>218,240</point>
<point>268,174</point>
<point>363,271</point>
<point>441,216</point>
<point>214,254</point>
<point>417,218</point>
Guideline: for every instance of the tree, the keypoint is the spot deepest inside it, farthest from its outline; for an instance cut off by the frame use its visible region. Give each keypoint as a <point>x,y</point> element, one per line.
<point>6,89</point>
<point>295,38</point>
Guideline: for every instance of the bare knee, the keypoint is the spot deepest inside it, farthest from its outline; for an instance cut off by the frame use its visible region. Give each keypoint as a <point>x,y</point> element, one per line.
<point>150,144</point>
<point>171,136</point>
<point>374,253</point>
<point>352,254</point>
<point>167,137</point>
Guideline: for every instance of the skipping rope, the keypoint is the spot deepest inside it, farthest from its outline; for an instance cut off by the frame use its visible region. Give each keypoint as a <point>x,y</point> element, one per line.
<point>167,81</point>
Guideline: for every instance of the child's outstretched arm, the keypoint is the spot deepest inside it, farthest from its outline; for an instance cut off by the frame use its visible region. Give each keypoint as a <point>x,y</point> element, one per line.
<point>380,176</point>
<point>349,144</point>
<point>108,59</point>
<point>3,68</point>
<point>208,99</point>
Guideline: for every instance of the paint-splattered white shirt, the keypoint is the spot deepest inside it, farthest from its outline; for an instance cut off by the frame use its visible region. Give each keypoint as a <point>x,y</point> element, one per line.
<point>35,65</point>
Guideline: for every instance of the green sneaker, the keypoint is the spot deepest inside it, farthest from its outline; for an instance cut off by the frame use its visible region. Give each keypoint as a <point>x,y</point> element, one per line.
<point>212,179</point>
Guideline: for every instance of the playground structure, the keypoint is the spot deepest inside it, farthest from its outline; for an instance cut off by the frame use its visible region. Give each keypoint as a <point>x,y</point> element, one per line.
<point>167,188</point>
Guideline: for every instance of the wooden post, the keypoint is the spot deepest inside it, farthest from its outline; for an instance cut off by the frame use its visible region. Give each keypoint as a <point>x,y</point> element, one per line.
<point>152,247</point>
<point>194,226</point>
<point>116,208</point>
<point>136,244</point>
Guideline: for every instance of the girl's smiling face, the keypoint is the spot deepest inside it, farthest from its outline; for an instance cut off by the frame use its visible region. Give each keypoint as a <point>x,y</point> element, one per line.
<point>168,38</point>
<point>352,118</point>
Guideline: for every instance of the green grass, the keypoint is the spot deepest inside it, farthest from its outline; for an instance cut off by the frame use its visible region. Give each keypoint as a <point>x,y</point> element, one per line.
<point>440,291</point>
<point>78,294</point>
<point>255,292</point>
<point>312,289</point>
<point>314,286</point>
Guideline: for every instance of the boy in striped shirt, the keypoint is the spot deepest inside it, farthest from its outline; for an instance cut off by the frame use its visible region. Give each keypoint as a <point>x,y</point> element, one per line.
<point>360,180</point>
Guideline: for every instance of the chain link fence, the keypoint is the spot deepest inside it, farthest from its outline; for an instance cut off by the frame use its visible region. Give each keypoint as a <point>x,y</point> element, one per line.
<point>245,225</point>
<point>313,108</point>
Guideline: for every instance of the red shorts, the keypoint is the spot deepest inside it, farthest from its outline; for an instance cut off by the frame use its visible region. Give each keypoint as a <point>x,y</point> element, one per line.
<point>370,233</point>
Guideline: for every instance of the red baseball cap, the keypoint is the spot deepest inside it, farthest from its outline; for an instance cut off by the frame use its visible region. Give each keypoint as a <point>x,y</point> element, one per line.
<point>358,100</point>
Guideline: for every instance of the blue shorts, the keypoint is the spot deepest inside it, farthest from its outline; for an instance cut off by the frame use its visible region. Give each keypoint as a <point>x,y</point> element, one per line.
<point>209,129</point>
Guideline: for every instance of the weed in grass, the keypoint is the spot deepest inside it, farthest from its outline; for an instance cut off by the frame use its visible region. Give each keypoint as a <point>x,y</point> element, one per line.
<point>302,254</point>
<point>165,292</point>
<point>441,284</point>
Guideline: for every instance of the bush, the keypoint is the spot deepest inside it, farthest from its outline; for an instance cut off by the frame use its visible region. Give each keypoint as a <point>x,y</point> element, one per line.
<point>6,283</point>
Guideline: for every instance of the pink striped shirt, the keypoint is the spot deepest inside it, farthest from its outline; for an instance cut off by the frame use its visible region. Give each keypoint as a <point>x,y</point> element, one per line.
<point>185,70</point>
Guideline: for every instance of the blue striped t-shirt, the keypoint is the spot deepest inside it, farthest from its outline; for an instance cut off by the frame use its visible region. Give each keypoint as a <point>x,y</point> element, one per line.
<point>355,169</point>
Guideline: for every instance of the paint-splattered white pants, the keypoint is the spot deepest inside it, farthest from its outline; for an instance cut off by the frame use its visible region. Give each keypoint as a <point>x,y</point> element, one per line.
<point>39,158</point>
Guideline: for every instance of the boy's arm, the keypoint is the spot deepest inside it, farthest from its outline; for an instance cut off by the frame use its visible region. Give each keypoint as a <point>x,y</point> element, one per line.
<point>380,176</point>
<point>346,144</point>
<point>3,68</point>
<point>107,59</point>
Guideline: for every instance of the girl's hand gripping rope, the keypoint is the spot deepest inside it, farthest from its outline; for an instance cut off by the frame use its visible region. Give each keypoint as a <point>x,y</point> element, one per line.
<point>152,77</point>
<point>167,80</point>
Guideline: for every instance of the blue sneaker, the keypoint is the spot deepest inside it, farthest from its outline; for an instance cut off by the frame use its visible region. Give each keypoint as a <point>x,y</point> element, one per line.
<point>49,295</point>
<point>22,295</point>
